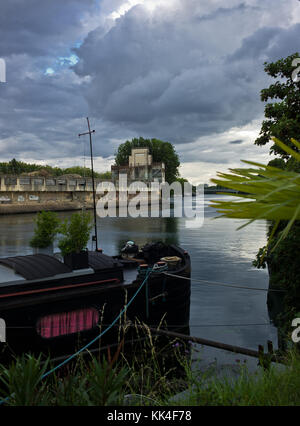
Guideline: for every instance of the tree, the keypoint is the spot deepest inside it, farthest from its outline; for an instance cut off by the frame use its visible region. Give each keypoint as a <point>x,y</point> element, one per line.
<point>278,162</point>
<point>17,167</point>
<point>282,115</point>
<point>160,151</point>
<point>14,166</point>
<point>105,175</point>
<point>82,171</point>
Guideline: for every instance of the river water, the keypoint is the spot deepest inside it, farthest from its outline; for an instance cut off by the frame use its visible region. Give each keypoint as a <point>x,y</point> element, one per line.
<point>219,253</point>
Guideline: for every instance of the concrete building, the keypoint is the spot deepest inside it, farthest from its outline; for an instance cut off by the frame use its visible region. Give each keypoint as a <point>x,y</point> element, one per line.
<point>140,168</point>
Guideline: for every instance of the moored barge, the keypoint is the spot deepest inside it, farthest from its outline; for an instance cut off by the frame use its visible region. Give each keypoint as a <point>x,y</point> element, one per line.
<point>52,307</point>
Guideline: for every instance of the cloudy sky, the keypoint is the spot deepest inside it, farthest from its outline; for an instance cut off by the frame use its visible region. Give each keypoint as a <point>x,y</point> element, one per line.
<point>185,71</point>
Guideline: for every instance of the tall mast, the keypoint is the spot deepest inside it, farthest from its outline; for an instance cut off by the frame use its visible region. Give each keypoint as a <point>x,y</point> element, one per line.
<point>93,179</point>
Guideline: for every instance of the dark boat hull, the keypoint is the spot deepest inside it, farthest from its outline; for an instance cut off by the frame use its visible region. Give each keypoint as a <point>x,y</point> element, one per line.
<point>60,316</point>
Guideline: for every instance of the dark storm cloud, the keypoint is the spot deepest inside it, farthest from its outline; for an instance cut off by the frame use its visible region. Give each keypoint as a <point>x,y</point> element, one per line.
<point>181,72</point>
<point>173,76</point>
<point>37,27</point>
<point>38,112</point>
<point>271,43</point>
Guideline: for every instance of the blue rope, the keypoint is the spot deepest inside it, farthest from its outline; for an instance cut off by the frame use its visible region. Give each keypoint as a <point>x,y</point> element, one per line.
<point>149,270</point>
<point>157,271</point>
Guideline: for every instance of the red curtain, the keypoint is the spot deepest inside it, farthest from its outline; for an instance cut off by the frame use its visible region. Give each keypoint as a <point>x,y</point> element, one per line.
<point>67,322</point>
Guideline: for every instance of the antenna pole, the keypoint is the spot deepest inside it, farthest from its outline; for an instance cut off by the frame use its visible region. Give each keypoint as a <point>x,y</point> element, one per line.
<point>93,179</point>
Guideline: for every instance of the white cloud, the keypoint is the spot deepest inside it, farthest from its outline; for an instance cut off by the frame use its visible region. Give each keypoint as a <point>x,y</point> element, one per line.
<point>218,152</point>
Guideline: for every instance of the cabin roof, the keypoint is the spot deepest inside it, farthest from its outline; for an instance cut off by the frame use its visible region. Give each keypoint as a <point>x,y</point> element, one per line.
<point>35,266</point>
<point>38,266</point>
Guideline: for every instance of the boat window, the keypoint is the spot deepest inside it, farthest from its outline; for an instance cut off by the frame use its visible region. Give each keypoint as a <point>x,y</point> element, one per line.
<point>64,323</point>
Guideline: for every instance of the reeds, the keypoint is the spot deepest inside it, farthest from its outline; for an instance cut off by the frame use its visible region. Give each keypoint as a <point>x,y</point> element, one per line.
<point>151,372</point>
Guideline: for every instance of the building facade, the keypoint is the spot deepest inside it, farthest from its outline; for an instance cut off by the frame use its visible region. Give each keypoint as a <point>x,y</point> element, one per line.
<point>140,168</point>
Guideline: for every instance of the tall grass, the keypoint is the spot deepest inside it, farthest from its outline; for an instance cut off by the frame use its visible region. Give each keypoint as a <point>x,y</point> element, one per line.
<point>141,375</point>
<point>150,374</point>
<point>279,385</point>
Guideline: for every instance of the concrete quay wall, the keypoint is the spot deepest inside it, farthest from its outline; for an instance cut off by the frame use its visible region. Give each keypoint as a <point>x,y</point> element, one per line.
<point>35,201</point>
<point>24,194</point>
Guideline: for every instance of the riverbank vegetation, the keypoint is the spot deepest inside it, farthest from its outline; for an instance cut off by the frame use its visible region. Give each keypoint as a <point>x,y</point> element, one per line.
<point>136,381</point>
<point>15,167</point>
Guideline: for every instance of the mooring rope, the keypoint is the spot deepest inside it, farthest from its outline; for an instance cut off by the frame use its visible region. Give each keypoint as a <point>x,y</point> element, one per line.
<point>222,284</point>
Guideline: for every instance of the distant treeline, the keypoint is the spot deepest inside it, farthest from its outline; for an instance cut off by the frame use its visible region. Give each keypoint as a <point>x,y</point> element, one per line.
<point>15,167</point>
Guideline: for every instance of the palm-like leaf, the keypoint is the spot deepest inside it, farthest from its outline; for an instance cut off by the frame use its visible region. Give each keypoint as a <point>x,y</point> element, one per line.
<point>265,192</point>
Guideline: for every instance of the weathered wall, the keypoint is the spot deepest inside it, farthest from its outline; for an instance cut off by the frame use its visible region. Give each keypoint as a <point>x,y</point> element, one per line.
<point>21,194</point>
<point>29,195</point>
<point>23,202</point>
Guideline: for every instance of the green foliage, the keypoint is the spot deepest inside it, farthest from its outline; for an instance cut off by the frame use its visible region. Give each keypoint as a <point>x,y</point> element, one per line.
<point>69,391</point>
<point>106,383</point>
<point>277,162</point>
<point>105,175</point>
<point>283,114</point>
<point>46,228</point>
<point>282,263</point>
<point>76,233</point>
<point>278,386</point>
<point>86,172</point>
<point>292,165</point>
<point>160,151</point>
<point>22,380</point>
<point>82,171</point>
<point>15,167</point>
<point>283,267</point>
<point>275,193</point>
<point>101,384</point>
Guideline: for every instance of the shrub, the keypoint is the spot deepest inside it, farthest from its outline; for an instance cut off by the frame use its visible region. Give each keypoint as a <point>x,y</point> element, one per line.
<point>47,224</point>
<point>76,232</point>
